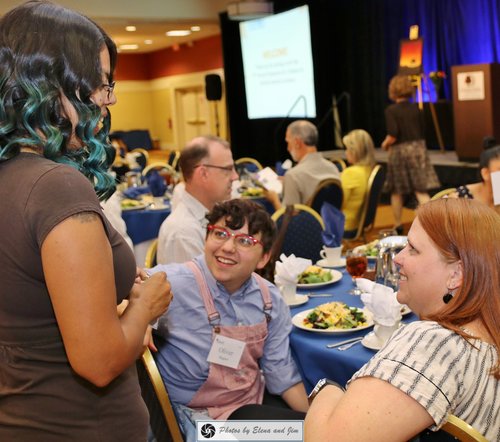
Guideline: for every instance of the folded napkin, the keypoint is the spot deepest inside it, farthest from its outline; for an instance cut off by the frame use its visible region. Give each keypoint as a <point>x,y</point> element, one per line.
<point>334,225</point>
<point>135,192</point>
<point>288,269</point>
<point>381,301</point>
<point>156,183</point>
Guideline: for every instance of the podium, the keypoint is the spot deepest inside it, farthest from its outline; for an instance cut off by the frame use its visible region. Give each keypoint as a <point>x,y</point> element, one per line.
<point>476,107</point>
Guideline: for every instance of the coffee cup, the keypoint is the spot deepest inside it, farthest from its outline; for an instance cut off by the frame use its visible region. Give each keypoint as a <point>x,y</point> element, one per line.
<point>289,291</point>
<point>331,254</point>
<point>384,332</point>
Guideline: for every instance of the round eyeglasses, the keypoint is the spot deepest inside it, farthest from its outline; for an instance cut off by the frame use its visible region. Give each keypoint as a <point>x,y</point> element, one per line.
<point>241,240</point>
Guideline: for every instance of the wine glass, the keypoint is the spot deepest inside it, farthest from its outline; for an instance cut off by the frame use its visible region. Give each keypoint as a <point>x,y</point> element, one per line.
<point>356,264</point>
<point>384,233</point>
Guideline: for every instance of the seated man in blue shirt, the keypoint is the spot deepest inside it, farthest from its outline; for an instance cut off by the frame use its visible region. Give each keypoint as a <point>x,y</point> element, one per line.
<point>225,337</point>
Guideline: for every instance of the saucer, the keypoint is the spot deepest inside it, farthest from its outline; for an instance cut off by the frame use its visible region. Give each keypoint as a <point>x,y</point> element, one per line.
<point>299,300</point>
<point>372,341</point>
<point>324,263</point>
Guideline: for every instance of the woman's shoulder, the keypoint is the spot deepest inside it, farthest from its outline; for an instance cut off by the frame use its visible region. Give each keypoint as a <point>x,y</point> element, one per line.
<point>419,334</point>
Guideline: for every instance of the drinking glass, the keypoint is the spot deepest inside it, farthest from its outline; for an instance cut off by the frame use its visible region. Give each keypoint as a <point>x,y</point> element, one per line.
<point>384,233</point>
<point>356,264</point>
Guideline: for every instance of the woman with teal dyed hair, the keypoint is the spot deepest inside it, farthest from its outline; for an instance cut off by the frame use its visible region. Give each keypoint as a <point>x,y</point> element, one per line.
<point>66,357</point>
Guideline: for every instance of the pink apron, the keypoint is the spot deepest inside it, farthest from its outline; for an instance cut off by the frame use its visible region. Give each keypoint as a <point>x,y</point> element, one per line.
<point>227,389</point>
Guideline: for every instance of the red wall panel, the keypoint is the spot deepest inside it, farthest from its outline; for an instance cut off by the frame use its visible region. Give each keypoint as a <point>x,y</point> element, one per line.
<point>202,55</point>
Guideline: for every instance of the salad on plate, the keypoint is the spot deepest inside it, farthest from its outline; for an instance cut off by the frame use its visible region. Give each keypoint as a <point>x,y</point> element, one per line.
<point>335,315</point>
<point>315,275</point>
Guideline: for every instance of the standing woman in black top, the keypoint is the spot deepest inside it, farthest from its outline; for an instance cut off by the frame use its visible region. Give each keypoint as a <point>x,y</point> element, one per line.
<point>67,359</point>
<point>409,169</point>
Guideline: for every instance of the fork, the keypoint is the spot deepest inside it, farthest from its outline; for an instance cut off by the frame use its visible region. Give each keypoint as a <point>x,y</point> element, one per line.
<point>319,295</point>
<point>347,346</point>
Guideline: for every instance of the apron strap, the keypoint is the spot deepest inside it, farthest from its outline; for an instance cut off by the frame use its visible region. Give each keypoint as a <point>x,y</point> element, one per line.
<point>213,314</point>
<point>266,296</point>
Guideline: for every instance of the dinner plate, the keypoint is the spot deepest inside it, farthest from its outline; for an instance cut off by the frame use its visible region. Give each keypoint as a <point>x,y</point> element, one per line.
<point>299,300</point>
<point>298,321</point>
<point>137,207</point>
<point>324,263</point>
<point>336,276</point>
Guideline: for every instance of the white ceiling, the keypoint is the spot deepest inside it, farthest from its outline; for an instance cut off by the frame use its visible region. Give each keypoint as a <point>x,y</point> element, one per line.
<point>151,17</point>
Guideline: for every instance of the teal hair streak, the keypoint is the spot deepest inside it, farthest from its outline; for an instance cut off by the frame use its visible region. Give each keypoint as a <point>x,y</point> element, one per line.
<point>38,130</point>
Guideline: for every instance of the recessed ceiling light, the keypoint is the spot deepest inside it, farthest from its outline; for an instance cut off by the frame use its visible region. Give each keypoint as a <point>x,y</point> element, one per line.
<point>130,28</point>
<point>128,47</point>
<point>148,42</point>
<point>195,28</point>
<point>178,33</point>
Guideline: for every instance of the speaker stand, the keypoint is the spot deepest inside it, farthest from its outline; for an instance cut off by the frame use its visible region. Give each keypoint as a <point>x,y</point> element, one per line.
<point>217,124</point>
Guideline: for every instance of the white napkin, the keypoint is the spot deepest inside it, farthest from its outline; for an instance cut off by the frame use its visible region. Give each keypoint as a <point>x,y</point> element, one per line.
<point>289,268</point>
<point>381,301</point>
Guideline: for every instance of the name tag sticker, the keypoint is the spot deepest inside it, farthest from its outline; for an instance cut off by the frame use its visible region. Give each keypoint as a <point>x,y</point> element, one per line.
<point>226,351</point>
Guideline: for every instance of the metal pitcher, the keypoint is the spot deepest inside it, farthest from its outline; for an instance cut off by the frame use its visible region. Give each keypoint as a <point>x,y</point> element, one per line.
<point>386,271</point>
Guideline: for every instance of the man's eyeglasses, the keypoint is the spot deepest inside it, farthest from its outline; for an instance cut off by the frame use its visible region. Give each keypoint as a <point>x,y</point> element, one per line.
<point>242,240</point>
<point>213,166</point>
<point>109,88</point>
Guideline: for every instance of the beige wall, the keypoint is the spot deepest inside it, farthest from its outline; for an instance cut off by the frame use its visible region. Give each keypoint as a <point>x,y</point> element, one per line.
<point>151,105</point>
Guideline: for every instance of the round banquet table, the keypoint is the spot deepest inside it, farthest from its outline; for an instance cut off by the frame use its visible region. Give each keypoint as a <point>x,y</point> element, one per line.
<point>143,227</point>
<point>314,359</point>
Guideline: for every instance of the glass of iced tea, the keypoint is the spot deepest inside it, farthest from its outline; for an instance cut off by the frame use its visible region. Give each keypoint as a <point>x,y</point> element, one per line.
<point>356,264</point>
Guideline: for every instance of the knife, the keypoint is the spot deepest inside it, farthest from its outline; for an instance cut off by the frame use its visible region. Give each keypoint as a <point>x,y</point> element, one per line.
<point>347,341</point>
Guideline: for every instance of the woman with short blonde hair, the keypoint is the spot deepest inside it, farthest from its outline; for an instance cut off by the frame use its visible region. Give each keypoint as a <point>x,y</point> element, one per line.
<point>360,154</point>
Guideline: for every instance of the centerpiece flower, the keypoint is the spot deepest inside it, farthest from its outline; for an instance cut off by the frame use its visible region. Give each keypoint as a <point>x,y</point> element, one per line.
<point>437,78</point>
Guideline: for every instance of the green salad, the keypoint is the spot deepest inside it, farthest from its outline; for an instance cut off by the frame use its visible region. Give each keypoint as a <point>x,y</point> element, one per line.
<point>315,275</point>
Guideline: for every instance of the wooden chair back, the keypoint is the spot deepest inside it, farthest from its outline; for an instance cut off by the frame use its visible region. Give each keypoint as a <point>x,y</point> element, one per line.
<point>162,417</point>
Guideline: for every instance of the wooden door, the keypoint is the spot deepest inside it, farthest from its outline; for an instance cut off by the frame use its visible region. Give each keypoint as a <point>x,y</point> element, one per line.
<point>193,114</point>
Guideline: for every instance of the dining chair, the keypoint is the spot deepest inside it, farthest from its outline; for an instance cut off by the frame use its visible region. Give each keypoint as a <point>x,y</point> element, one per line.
<point>443,193</point>
<point>250,164</point>
<point>303,236</point>
<point>162,419</point>
<point>462,430</point>
<point>150,260</point>
<point>166,170</point>
<point>142,156</point>
<point>370,204</point>
<point>173,159</point>
<point>340,163</point>
<point>329,190</point>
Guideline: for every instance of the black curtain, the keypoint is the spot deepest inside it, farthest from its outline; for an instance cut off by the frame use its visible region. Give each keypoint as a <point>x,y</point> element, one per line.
<point>347,58</point>
<point>355,46</point>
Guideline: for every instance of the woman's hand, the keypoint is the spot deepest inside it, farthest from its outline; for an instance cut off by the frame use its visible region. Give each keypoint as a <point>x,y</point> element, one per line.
<point>153,294</point>
<point>140,275</point>
<point>388,142</point>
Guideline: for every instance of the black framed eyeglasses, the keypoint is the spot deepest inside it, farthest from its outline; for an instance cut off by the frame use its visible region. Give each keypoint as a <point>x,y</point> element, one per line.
<point>109,88</point>
<point>242,240</point>
<point>229,169</point>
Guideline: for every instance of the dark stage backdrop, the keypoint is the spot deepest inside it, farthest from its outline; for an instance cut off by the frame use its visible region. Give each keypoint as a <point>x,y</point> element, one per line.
<point>356,49</point>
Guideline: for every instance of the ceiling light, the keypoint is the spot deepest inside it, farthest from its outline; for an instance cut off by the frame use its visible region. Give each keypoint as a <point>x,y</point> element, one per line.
<point>148,42</point>
<point>195,28</point>
<point>130,28</point>
<point>178,33</point>
<point>128,47</point>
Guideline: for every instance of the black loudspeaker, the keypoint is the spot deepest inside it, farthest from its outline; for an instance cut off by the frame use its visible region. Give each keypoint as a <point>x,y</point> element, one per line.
<point>213,87</point>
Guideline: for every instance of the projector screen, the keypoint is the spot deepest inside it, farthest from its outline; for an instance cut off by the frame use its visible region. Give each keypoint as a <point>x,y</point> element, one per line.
<point>278,65</point>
